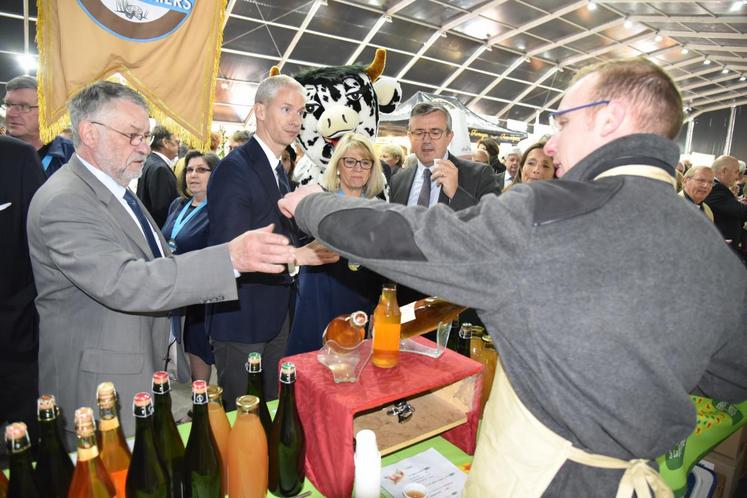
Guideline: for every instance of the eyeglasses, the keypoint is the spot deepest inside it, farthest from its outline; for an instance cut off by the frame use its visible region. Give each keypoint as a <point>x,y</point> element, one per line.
<point>433,133</point>
<point>22,108</point>
<point>351,162</point>
<point>557,126</point>
<point>200,170</point>
<point>134,138</point>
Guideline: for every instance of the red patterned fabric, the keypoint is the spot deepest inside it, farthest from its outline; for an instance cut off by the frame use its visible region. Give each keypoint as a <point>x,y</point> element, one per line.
<point>327,409</point>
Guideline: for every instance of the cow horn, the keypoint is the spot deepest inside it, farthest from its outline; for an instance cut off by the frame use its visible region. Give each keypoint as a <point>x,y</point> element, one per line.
<point>274,71</point>
<point>376,67</point>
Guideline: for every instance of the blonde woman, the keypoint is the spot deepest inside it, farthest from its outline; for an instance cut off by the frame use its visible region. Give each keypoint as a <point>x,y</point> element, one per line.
<point>327,291</point>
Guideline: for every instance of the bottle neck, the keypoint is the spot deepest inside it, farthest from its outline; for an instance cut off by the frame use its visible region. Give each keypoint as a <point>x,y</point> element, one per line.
<point>388,296</point>
<point>255,384</point>
<point>287,393</point>
<point>87,449</point>
<point>108,419</point>
<point>20,460</point>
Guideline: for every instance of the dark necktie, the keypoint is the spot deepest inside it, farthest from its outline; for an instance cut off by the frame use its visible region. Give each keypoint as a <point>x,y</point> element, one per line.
<point>132,202</point>
<point>283,183</point>
<point>424,199</point>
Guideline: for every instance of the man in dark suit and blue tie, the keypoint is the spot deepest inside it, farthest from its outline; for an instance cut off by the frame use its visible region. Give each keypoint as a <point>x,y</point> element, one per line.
<point>244,190</point>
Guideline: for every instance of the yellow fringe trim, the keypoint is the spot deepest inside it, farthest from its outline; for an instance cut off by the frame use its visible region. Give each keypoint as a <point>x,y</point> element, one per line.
<point>194,136</point>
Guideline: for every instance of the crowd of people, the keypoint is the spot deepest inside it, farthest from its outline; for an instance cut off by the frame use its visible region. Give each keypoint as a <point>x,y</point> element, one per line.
<point>553,247</point>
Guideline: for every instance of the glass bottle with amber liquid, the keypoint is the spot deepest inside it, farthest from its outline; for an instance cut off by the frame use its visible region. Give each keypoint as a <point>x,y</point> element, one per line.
<point>21,483</point>
<point>168,441</point>
<point>287,441</point>
<point>255,387</point>
<point>3,485</point>
<point>464,340</point>
<point>220,428</point>
<point>54,469</point>
<point>202,465</point>
<point>347,330</point>
<point>424,315</point>
<point>114,450</point>
<point>386,329</point>
<point>247,449</point>
<point>146,477</point>
<point>90,479</point>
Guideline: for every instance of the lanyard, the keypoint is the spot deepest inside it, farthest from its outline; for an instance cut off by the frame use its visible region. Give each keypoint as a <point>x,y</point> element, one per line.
<point>46,160</point>
<point>181,220</point>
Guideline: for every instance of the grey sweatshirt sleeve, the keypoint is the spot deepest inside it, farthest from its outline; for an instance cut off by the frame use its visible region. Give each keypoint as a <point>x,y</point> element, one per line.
<point>458,256</point>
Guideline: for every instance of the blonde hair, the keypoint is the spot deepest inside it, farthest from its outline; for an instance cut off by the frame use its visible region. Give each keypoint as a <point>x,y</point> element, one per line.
<point>331,180</point>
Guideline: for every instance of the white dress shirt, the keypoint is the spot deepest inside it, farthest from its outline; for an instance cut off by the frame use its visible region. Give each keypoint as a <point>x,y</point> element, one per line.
<point>417,184</point>
<point>271,158</point>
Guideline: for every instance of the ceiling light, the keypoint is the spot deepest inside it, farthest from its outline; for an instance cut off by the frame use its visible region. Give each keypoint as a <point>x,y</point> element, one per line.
<point>27,62</point>
<point>707,61</point>
<point>743,78</point>
<point>224,85</point>
<point>628,24</point>
<point>527,59</point>
<point>658,38</point>
<point>521,46</point>
<point>591,6</point>
<point>388,18</point>
<point>684,50</point>
<point>724,71</point>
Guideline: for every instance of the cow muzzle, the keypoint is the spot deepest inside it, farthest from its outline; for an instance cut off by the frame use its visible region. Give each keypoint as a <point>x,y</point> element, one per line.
<point>336,121</point>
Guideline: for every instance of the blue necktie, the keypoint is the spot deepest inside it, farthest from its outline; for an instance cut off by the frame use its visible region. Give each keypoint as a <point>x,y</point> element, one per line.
<point>283,183</point>
<point>129,197</point>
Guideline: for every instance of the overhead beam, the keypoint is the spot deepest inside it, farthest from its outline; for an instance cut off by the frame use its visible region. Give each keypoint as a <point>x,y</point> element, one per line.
<point>716,91</point>
<point>386,17</point>
<point>718,107</point>
<point>689,19</point>
<point>526,91</point>
<point>701,34</point>
<point>603,50</point>
<point>536,22</point>
<point>719,48</point>
<point>693,86</point>
<point>300,32</point>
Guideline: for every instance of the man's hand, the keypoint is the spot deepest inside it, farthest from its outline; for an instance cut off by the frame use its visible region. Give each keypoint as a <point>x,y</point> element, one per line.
<point>260,251</point>
<point>315,254</point>
<point>445,174</point>
<point>289,203</point>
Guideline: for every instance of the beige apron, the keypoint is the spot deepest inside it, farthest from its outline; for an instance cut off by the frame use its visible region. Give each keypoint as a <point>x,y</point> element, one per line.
<point>518,457</point>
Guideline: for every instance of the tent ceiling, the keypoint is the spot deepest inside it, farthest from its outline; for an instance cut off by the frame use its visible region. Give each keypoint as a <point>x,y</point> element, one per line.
<point>509,59</point>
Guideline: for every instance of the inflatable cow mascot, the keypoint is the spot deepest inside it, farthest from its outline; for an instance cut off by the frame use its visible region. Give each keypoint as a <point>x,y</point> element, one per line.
<point>341,99</point>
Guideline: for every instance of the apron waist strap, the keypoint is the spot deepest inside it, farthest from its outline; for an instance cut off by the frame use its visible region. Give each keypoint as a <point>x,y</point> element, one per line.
<point>638,475</point>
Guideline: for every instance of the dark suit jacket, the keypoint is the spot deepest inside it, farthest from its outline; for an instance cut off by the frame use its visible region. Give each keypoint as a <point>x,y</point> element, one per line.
<point>475,180</point>
<point>243,195</point>
<point>728,213</point>
<point>157,188</point>
<point>21,176</point>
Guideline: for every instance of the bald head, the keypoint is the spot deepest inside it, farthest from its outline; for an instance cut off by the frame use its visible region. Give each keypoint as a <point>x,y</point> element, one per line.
<point>726,170</point>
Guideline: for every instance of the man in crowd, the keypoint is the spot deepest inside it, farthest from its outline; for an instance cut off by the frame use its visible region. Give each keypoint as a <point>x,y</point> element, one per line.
<point>574,280</point>
<point>512,161</point>
<point>729,214</point>
<point>157,185</point>
<point>22,120</point>
<point>21,176</point>
<point>243,192</point>
<point>696,185</point>
<point>436,176</point>
<point>237,139</point>
<point>103,271</point>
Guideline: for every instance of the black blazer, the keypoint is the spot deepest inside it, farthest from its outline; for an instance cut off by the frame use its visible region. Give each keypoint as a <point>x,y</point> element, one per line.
<point>21,176</point>
<point>728,213</point>
<point>475,181</point>
<point>157,188</point>
<point>243,195</point>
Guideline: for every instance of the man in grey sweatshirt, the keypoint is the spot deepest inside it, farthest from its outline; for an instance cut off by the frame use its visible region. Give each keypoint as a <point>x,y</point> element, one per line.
<point>575,278</point>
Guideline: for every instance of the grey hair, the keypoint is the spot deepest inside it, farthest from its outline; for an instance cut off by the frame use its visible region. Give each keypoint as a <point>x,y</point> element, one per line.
<point>95,97</point>
<point>241,136</point>
<point>697,169</point>
<point>424,108</point>
<point>723,162</point>
<point>269,87</point>
<point>21,82</point>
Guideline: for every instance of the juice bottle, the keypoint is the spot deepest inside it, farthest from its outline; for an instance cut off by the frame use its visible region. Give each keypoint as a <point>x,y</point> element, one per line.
<point>114,450</point>
<point>247,449</point>
<point>386,329</point>
<point>220,427</point>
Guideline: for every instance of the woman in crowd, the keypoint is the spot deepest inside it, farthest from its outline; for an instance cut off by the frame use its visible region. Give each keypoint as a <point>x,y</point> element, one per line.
<point>186,229</point>
<point>391,157</point>
<point>490,146</point>
<point>343,287</point>
<point>535,165</point>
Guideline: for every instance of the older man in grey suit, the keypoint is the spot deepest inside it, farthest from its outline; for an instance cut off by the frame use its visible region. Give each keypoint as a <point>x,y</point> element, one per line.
<point>104,274</point>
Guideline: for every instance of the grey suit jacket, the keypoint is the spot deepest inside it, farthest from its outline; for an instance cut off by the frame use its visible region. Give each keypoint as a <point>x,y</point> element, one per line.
<point>475,180</point>
<point>102,297</point>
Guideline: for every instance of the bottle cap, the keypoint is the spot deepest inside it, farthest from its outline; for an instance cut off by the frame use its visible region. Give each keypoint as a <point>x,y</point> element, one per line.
<point>106,395</point>
<point>199,392</point>
<point>254,363</point>
<point>359,318</point>
<point>465,331</point>
<point>247,403</point>
<point>46,407</point>
<point>487,339</point>
<point>288,373</point>
<point>85,425</point>
<point>215,393</point>
<point>17,437</point>
<point>142,406</point>
<point>161,382</point>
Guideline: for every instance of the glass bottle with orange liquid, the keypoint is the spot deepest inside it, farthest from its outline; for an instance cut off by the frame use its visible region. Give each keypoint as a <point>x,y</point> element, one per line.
<point>347,330</point>
<point>220,427</point>
<point>90,479</point>
<point>247,449</point>
<point>114,450</point>
<point>386,329</point>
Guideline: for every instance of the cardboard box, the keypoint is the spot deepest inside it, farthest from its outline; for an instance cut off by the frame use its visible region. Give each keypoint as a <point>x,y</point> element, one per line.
<point>734,445</point>
<point>728,472</point>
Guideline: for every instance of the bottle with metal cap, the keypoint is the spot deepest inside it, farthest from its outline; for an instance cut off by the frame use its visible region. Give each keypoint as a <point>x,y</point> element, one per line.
<point>54,468</point>
<point>464,339</point>
<point>247,449</point>
<point>202,465</point>
<point>220,427</point>
<point>255,387</point>
<point>90,479</point>
<point>367,460</point>
<point>114,450</point>
<point>21,483</point>
<point>168,441</point>
<point>147,477</point>
<point>489,358</point>
<point>287,441</point>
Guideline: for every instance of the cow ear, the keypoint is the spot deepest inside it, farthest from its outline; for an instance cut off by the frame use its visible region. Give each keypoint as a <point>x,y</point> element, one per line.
<point>274,71</point>
<point>376,67</point>
<point>388,93</point>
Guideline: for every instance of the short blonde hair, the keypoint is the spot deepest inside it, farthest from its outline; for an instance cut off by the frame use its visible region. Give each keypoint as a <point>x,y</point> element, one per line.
<point>331,181</point>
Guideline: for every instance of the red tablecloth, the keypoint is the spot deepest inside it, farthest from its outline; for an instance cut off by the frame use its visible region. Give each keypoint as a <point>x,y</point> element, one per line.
<point>327,409</point>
